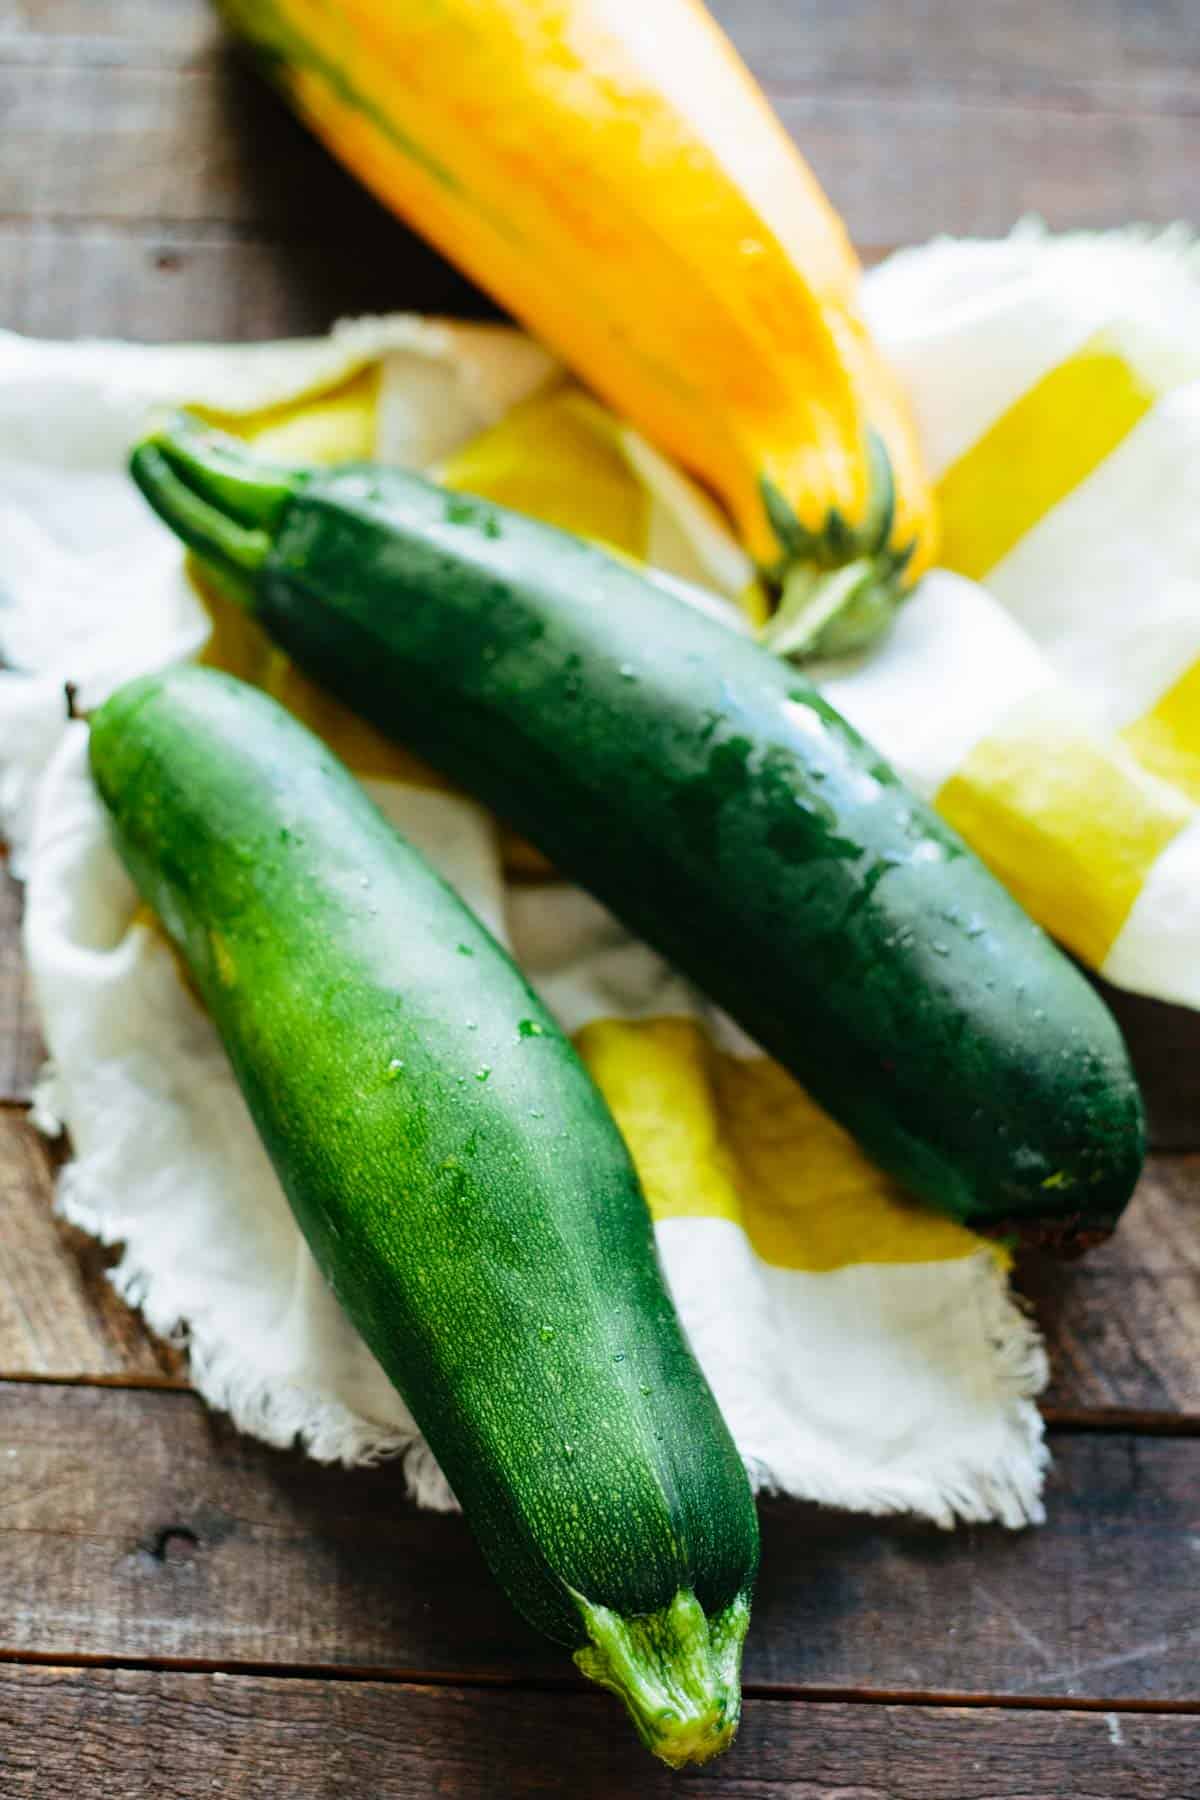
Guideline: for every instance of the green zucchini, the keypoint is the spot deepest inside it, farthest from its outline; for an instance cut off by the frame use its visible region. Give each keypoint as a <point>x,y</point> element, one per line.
<point>706,793</point>
<point>462,1186</point>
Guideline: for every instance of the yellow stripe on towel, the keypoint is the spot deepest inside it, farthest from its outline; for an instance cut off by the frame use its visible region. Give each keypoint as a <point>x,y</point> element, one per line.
<point>1167,739</point>
<point>1069,823</point>
<point>1036,453</point>
<point>332,426</point>
<point>656,1075</point>
<point>336,425</point>
<point>554,457</point>
<point>718,1137</point>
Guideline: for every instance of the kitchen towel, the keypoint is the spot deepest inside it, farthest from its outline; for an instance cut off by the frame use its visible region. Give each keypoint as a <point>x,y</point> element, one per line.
<point>866,1352</point>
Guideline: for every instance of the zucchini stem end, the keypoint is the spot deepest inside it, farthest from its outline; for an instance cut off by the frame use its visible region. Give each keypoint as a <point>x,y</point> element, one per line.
<point>677,1672</point>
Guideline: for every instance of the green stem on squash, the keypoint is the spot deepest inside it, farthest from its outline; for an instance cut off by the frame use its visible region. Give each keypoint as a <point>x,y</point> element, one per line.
<point>224,504</point>
<point>677,1672</point>
<point>838,587</point>
<point>811,604</point>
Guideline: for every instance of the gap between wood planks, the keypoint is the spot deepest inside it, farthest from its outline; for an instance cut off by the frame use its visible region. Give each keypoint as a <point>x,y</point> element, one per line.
<point>1125,1370</point>
<point>1150,97</point>
<point>567,1684</point>
<point>1061,1421</point>
<point>1091,71</point>
<point>218,233</point>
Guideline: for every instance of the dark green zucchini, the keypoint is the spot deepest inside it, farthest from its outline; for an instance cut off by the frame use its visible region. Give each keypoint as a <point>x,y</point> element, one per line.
<point>713,800</point>
<point>462,1185</point>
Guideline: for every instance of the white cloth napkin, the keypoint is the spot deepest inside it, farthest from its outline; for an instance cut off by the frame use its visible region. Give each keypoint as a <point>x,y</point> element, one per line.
<point>865,1352</point>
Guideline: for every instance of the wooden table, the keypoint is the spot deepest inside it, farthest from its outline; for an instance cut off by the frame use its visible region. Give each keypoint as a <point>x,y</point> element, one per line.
<point>185,1613</point>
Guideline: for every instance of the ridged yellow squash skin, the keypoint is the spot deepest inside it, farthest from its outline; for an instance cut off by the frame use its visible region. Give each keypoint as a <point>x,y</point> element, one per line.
<point>611,173</point>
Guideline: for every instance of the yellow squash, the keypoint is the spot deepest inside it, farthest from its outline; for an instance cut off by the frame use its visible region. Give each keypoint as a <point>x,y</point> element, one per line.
<point>610,172</point>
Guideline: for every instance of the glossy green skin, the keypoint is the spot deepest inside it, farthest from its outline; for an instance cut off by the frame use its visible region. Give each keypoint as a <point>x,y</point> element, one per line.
<point>707,794</point>
<point>456,1173</point>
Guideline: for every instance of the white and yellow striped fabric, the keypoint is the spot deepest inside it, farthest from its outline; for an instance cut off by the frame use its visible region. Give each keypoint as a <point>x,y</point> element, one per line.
<point>1057,383</point>
<point>866,1351</point>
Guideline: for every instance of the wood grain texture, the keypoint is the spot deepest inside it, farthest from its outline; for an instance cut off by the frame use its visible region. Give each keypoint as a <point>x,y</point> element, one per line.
<point>1164,1042</point>
<point>152,187</point>
<point>189,145</point>
<point>98,31</point>
<point>58,1314</point>
<point>1122,1325</point>
<point>137,1526</point>
<point>157,284</point>
<point>1114,52</point>
<point>21,1052</point>
<point>208,143</point>
<point>1119,53</point>
<point>67,1730</point>
<point>149,187</point>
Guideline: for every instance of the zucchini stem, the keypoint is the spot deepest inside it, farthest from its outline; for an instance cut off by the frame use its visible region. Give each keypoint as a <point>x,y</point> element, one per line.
<point>813,604</point>
<point>245,487</point>
<point>678,1673</point>
<point>231,554</point>
<point>838,587</point>
<point>225,504</point>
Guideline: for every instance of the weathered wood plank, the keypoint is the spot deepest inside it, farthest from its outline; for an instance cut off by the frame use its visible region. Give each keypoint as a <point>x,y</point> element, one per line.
<point>188,145</point>
<point>209,143</point>
<point>91,31</point>
<point>111,1732</point>
<point>922,115</point>
<point>58,1315</point>
<point>907,169</point>
<point>173,282</point>
<point>1164,1042</point>
<point>21,1052</point>
<point>1119,52</point>
<point>1123,1323</point>
<point>135,1525</point>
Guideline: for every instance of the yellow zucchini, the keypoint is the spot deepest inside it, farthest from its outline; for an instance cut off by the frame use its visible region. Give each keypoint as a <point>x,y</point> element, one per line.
<point>611,173</point>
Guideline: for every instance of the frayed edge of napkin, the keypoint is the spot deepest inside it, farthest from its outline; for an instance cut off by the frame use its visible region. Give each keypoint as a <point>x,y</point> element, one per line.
<point>997,1483</point>
<point>285,1414</point>
<point>906,279</point>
